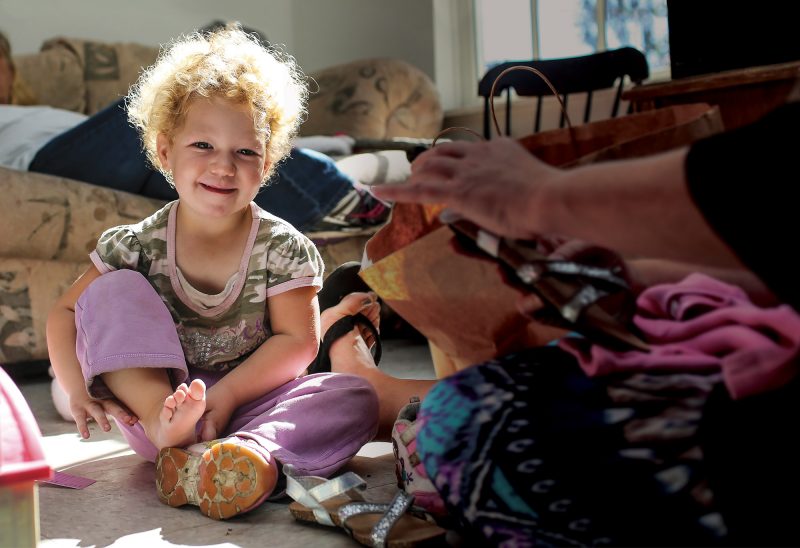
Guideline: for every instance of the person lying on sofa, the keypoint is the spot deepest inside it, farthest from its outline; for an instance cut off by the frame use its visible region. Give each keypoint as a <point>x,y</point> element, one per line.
<point>307,189</point>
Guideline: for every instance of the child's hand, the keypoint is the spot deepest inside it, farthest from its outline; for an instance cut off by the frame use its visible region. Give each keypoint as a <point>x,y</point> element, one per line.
<point>219,408</point>
<point>84,408</point>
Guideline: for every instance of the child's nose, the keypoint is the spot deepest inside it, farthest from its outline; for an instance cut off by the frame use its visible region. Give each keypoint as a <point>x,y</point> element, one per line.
<point>222,165</point>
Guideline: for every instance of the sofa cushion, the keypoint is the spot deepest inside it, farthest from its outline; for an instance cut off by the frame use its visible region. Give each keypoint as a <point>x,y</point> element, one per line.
<point>108,69</point>
<point>28,290</point>
<point>373,99</point>
<point>55,77</point>
<point>48,217</point>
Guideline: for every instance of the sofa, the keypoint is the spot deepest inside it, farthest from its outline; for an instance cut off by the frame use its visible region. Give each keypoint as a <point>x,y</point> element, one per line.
<point>49,224</point>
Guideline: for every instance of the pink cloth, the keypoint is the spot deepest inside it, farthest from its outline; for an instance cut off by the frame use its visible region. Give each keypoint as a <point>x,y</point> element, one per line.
<point>702,324</point>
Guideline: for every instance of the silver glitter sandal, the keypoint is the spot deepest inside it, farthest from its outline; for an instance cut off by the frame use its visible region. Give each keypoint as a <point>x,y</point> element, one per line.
<point>316,499</point>
<point>389,525</point>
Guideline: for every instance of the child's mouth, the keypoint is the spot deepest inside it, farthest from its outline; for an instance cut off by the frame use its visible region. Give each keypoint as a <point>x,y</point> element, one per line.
<point>218,190</point>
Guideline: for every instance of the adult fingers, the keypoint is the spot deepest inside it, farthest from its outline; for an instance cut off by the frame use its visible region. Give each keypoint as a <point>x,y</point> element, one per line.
<point>428,182</point>
<point>454,149</point>
<point>422,192</point>
<point>441,170</point>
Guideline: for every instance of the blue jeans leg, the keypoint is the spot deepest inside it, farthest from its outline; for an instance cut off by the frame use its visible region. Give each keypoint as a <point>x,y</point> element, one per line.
<point>306,186</point>
<point>103,150</point>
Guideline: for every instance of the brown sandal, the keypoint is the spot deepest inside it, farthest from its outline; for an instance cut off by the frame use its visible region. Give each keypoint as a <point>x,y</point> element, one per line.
<point>338,502</point>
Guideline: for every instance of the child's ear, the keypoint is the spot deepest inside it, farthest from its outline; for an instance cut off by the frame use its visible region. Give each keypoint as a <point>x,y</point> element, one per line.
<point>164,150</point>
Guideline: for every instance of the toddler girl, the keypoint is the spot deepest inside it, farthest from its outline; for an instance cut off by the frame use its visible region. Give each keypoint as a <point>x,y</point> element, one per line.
<point>197,322</point>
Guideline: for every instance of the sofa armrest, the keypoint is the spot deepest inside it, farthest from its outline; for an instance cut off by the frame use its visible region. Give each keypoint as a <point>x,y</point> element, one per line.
<point>373,99</point>
<point>54,218</point>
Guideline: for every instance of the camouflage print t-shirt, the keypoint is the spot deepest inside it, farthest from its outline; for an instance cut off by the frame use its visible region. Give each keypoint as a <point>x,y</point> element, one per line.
<point>277,258</point>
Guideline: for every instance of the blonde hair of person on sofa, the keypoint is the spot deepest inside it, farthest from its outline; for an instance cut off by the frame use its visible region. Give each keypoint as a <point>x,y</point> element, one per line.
<point>197,323</point>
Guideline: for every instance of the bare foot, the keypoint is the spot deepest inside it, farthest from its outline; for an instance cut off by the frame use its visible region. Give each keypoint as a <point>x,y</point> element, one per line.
<point>351,353</point>
<point>365,303</point>
<point>178,418</point>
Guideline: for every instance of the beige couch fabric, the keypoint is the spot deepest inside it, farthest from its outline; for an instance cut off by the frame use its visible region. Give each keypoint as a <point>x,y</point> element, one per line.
<point>108,69</point>
<point>28,289</point>
<point>55,77</point>
<point>82,75</point>
<point>48,226</point>
<point>373,99</point>
<point>54,218</point>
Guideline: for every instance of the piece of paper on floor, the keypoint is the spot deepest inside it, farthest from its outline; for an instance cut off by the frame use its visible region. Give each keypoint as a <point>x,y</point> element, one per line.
<point>62,479</point>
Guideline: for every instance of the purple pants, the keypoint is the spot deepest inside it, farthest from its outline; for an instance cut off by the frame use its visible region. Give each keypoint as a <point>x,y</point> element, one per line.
<point>315,423</point>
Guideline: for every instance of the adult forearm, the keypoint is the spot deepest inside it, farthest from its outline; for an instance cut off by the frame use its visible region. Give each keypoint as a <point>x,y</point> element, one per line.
<point>637,207</point>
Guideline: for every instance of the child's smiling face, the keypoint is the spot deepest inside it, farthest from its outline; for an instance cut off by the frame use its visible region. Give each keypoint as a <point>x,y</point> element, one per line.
<point>216,158</point>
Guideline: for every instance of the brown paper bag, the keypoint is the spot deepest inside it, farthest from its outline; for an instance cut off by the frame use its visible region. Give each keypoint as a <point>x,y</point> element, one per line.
<point>461,302</point>
<point>464,303</point>
<point>627,136</point>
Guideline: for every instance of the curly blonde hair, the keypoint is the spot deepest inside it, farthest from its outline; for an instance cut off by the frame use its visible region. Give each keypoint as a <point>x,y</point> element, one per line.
<point>227,63</point>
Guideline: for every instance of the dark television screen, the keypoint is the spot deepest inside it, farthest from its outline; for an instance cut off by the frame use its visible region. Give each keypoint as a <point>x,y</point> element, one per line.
<point>707,36</point>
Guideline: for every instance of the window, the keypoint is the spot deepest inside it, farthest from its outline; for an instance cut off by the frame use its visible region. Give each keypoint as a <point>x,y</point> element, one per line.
<point>509,30</point>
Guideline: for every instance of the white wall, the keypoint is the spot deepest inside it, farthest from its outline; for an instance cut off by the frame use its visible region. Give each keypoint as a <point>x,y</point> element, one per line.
<point>319,33</point>
<point>454,48</point>
<point>328,32</point>
<point>28,23</point>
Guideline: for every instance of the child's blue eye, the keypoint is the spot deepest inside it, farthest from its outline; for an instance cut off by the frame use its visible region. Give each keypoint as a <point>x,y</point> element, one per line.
<point>202,144</point>
<point>247,152</point>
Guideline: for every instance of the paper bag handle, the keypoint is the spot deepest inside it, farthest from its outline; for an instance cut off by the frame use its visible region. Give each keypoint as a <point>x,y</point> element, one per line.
<point>494,114</point>
<point>541,75</point>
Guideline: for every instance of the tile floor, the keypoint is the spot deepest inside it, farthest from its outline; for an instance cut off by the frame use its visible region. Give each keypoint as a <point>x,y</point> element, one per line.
<point>121,509</point>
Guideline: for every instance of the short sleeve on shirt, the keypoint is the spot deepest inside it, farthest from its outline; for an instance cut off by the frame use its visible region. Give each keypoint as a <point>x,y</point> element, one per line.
<point>294,262</point>
<point>116,249</point>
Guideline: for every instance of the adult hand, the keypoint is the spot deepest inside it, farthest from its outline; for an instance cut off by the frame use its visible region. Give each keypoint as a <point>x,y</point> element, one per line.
<point>495,184</point>
<point>83,408</point>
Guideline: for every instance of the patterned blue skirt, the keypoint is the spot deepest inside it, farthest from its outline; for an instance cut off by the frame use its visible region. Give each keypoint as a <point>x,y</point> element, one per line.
<point>527,450</point>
